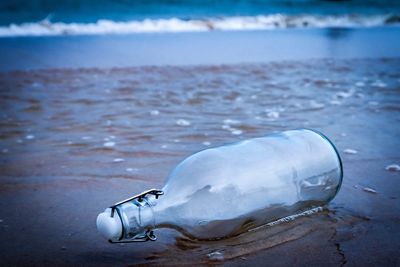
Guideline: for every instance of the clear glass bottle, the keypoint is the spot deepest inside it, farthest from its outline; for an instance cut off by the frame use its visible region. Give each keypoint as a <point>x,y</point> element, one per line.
<point>224,191</point>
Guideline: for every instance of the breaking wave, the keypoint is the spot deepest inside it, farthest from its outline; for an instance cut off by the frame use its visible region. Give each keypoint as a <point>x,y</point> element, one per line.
<point>239,23</point>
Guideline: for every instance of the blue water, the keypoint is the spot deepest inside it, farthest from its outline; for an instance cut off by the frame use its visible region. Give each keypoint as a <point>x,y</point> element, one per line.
<point>68,11</point>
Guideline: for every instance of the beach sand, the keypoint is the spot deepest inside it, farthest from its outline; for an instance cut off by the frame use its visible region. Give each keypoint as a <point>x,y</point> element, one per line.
<point>74,141</point>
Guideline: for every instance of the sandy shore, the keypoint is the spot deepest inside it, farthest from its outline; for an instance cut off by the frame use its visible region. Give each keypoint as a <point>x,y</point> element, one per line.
<point>75,141</point>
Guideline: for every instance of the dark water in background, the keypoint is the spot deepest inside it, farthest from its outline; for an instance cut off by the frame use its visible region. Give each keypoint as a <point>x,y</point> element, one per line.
<point>12,11</point>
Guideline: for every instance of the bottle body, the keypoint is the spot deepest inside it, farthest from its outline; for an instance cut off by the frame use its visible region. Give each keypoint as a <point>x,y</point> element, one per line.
<point>223,191</point>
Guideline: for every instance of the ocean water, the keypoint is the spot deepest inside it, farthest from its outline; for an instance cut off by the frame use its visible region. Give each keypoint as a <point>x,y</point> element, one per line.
<point>71,17</point>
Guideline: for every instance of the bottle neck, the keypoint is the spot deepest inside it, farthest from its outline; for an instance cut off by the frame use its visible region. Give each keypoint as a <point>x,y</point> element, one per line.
<point>159,216</point>
<point>146,217</point>
<point>137,218</point>
<point>141,217</point>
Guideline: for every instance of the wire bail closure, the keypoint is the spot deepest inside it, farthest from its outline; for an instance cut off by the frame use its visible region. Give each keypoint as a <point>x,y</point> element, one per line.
<point>149,234</point>
<point>143,237</point>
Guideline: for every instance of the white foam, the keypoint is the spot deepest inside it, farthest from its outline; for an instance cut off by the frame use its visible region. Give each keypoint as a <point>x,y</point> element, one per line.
<point>316,105</point>
<point>230,121</point>
<point>350,151</point>
<point>236,132</point>
<point>154,112</point>
<point>30,137</point>
<point>359,84</point>
<point>235,23</point>
<point>379,84</point>
<point>273,114</point>
<point>393,168</point>
<point>216,256</point>
<point>233,131</point>
<point>369,190</point>
<point>109,144</point>
<point>345,94</point>
<point>117,160</point>
<point>182,122</point>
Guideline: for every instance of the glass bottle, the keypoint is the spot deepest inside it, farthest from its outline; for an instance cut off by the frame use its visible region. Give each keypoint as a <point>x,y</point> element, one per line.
<point>224,191</point>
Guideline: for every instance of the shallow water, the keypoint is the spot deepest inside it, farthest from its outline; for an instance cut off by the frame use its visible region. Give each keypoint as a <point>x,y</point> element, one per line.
<point>118,122</point>
<point>75,140</point>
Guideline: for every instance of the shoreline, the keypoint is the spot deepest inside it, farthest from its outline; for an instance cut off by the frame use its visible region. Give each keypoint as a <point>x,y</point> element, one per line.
<point>197,48</point>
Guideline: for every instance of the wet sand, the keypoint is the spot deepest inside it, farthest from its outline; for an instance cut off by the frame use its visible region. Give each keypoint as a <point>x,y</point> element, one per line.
<point>74,141</point>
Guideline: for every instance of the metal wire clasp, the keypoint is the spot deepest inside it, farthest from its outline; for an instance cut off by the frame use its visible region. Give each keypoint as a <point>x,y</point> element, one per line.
<point>143,237</point>
<point>139,197</point>
<point>148,235</point>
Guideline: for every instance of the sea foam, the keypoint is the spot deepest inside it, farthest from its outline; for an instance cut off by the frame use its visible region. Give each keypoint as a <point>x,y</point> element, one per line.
<point>235,23</point>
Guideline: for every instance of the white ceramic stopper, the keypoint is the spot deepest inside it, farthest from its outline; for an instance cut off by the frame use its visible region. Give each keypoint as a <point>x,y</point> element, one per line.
<point>109,227</point>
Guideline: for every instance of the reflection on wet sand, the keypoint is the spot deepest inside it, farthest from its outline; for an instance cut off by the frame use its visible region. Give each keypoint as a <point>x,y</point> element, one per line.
<point>189,251</point>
